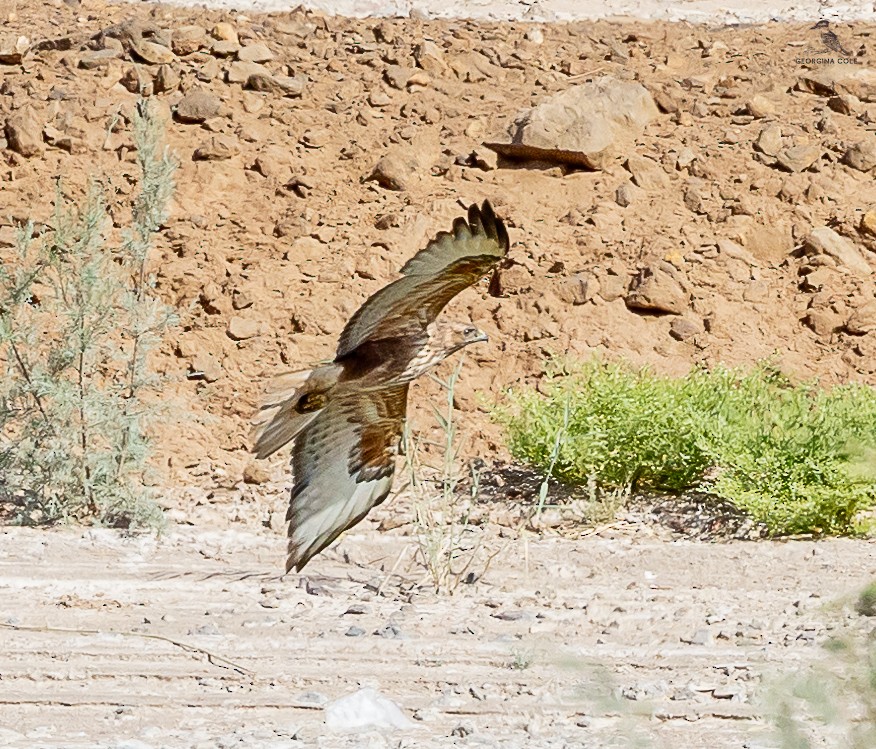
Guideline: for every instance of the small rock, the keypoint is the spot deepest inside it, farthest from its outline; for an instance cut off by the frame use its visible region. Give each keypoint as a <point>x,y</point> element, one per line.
<point>769,140</point>
<point>255,53</point>
<point>647,173</point>
<point>758,106</point>
<point>24,132</point>
<point>151,52</point>
<point>825,241</point>
<point>363,709</point>
<point>625,195</point>
<point>278,84</point>
<point>205,366</point>
<point>838,79</point>
<point>224,31</point>
<point>217,148</point>
<point>166,80</point>
<point>187,40</point>
<point>823,322</point>
<point>578,289</point>
<point>862,155</point>
<point>868,223</point>
<point>256,473</point>
<point>13,48</point>
<point>224,48</point>
<point>430,57</point>
<point>404,78</point>
<point>798,158</point>
<point>655,290</point>
<point>395,171</point>
<point>354,632</point>
<point>701,637</point>
<point>683,328</point>
<point>198,105</point>
<point>240,71</point>
<point>239,328</point>
<point>98,59</point>
<point>863,319</point>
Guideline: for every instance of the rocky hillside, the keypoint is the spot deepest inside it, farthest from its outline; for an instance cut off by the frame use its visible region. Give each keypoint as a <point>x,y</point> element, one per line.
<point>317,154</point>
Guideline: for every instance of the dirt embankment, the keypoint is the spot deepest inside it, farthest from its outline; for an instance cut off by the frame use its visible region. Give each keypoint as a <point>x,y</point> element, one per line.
<point>277,234</point>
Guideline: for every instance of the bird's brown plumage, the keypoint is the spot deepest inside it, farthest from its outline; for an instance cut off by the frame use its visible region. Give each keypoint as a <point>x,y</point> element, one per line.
<point>346,417</point>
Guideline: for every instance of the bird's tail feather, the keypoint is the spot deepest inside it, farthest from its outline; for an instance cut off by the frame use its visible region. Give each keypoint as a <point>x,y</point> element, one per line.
<point>291,402</point>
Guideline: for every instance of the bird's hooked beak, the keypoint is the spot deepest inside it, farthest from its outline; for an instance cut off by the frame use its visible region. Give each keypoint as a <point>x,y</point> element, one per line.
<point>480,337</point>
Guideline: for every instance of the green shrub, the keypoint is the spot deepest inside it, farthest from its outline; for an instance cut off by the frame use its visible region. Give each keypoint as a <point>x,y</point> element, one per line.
<point>795,457</point>
<point>78,320</point>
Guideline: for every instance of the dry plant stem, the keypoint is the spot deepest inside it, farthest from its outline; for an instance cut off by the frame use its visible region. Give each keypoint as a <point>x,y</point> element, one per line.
<point>212,658</point>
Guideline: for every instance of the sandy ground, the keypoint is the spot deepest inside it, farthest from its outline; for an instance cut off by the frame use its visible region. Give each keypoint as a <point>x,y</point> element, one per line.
<point>629,635</point>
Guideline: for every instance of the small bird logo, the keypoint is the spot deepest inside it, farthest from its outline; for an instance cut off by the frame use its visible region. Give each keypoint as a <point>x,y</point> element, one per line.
<point>830,39</point>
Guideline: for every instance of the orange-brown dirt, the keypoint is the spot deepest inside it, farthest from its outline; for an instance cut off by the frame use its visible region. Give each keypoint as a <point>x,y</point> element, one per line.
<point>285,231</point>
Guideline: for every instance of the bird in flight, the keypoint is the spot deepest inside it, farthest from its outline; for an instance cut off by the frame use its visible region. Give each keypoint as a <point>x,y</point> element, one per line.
<point>346,416</point>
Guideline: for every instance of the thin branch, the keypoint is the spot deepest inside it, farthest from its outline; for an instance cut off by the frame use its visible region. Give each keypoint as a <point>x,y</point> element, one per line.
<point>212,658</point>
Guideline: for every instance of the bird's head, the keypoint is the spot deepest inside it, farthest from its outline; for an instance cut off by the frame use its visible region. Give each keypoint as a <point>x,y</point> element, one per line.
<point>452,336</point>
<point>822,24</point>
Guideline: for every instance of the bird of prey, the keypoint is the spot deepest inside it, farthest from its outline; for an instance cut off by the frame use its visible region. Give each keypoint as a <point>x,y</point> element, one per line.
<point>829,39</point>
<point>346,417</point>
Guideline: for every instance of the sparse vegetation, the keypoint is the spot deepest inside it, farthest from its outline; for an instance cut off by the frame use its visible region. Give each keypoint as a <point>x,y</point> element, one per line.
<point>795,457</point>
<point>78,320</point>
<point>450,547</point>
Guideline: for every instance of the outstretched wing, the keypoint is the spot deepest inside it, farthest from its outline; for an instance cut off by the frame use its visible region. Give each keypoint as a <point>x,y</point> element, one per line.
<point>450,263</point>
<point>343,464</point>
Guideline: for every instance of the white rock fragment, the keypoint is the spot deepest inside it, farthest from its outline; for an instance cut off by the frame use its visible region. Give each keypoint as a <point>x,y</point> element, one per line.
<point>366,708</point>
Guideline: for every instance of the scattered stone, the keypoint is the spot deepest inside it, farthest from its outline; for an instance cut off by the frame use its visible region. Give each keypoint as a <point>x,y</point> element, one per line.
<point>647,173</point>
<point>868,223</point>
<point>396,171</point>
<point>13,48</point>
<point>862,155</point>
<point>837,79</point>
<point>758,106</point>
<point>364,709</point>
<point>798,158</point>
<point>863,319</point>
<point>276,84</point>
<point>198,105</point>
<point>187,40</point>
<point>239,328</point>
<point>240,71</point>
<point>224,48</point>
<point>430,57</point>
<point>166,80</point>
<point>205,366</point>
<point>217,148</point>
<point>405,78</point>
<point>701,637</point>
<point>683,328</point>
<point>354,632</point>
<point>588,125</point>
<point>825,241</point>
<point>256,473</point>
<point>151,52</point>
<point>224,31</point>
<point>823,321</point>
<point>655,290</point>
<point>255,53</point>
<point>625,194</point>
<point>24,132</point>
<point>99,58</point>
<point>769,140</point>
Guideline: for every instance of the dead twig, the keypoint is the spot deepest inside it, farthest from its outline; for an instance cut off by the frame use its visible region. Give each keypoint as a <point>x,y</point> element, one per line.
<point>212,658</point>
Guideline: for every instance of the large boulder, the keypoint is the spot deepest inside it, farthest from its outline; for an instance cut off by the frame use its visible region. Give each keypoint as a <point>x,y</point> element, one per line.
<point>588,125</point>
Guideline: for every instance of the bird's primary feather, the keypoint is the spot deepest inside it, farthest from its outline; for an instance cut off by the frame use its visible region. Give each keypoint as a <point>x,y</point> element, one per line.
<point>451,262</point>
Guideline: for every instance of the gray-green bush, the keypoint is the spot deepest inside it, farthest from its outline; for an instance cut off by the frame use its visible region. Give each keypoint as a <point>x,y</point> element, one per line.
<point>797,458</point>
<point>78,321</point>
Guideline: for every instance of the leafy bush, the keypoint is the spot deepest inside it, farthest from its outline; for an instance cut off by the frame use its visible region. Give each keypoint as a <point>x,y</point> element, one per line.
<point>77,323</point>
<point>794,457</point>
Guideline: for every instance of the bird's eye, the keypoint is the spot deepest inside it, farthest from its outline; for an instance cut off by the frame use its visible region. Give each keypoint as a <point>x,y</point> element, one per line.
<point>469,331</point>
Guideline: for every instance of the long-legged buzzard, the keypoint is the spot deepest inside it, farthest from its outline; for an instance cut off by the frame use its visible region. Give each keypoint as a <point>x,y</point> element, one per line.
<point>346,417</point>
